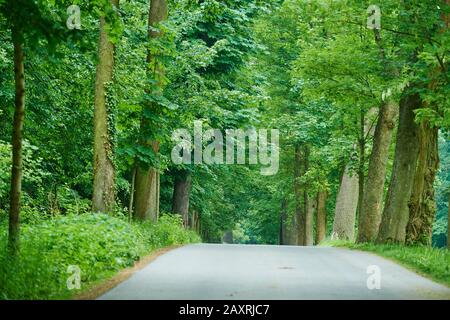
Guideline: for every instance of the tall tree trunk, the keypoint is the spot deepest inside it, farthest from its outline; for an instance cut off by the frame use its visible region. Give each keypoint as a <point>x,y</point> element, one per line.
<point>321,217</point>
<point>396,212</point>
<point>422,205</point>
<point>370,213</point>
<point>103,197</point>
<point>19,116</point>
<point>147,178</point>
<point>300,212</point>
<point>181,191</point>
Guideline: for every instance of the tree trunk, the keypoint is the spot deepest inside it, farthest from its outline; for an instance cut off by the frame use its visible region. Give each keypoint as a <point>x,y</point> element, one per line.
<point>146,195</point>
<point>321,217</point>
<point>370,213</point>
<point>147,178</point>
<point>300,212</point>
<point>396,212</point>
<point>103,198</point>
<point>345,211</point>
<point>19,116</point>
<point>181,192</point>
<point>422,205</point>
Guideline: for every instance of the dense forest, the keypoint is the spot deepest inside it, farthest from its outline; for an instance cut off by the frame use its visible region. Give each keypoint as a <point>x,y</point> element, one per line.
<point>92,92</point>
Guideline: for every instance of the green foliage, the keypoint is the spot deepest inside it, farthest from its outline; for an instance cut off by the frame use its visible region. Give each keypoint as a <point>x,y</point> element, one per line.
<point>100,245</point>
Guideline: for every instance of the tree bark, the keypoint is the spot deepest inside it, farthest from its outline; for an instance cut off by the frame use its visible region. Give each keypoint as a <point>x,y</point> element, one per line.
<point>370,213</point>
<point>103,198</point>
<point>181,191</point>
<point>321,217</point>
<point>396,212</point>
<point>147,178</point>
<point>422,205</point>
<point>17,166</point>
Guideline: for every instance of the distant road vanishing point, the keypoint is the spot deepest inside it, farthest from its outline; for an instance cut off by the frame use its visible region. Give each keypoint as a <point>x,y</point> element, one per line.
<point>247,272</point>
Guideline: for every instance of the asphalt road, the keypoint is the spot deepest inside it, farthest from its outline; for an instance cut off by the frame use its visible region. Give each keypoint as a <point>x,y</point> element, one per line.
<point>209,272</point>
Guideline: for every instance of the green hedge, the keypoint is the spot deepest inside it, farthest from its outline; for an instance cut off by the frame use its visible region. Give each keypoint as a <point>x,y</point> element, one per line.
<point>100,245</point>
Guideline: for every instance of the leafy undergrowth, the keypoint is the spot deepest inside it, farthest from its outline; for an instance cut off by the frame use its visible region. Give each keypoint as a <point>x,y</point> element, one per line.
<point>99,245</point>
<point>433,263</point>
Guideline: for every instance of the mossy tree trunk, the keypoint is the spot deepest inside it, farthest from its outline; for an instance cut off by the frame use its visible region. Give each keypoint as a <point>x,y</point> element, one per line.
<point>103,197</point>
<point>370,212</point>
<point>17,136</point>
<point>396,211</point>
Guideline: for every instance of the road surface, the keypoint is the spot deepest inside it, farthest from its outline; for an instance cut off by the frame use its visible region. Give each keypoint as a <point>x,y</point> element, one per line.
<point>210,272</point>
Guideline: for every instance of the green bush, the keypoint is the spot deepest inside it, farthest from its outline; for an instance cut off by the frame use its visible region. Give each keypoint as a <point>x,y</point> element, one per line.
<point>100,245</point>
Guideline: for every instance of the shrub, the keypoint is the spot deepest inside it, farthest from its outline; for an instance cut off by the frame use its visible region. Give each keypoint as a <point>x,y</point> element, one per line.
<point>98,244</point>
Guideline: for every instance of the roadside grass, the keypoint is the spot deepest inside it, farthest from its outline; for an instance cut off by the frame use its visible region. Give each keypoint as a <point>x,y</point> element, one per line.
<point>433,263</point>
<point>52,249</point>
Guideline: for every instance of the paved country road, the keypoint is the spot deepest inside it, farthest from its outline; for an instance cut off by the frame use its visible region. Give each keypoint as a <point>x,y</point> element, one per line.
<point>208,272</point>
